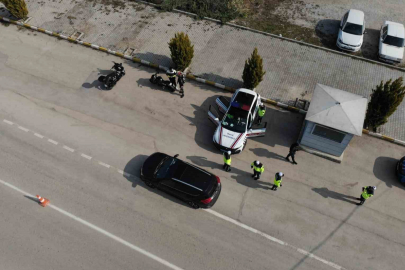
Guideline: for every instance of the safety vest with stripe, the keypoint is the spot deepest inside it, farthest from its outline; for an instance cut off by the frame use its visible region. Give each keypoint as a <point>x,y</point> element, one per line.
<point>261,112</point>
<point>365,194</point>
<point>227,161</point>
<point>257,169</point>
<point>277,182</point>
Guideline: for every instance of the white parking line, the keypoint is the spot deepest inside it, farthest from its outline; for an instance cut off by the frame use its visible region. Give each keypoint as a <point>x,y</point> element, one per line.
<point>38,135</point>
<point>98,229</point>
<point>52,141</point>
<point>86,156</point>
<point>23,128</point>
<point>271,238</point>
<point>68,148</point>
<point>104,164</point>
<point>8,122</point>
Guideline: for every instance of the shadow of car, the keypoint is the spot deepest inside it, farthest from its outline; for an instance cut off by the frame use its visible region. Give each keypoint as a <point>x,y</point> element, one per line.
<point>196,186</point>
<point>400,170</point>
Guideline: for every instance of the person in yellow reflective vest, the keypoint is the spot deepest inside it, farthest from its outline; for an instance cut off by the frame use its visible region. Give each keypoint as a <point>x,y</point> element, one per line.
<point>260,113</point>
<point>258,168</point>
<point>227,161</point>
<point>367,193</point>
<point>277,180</point>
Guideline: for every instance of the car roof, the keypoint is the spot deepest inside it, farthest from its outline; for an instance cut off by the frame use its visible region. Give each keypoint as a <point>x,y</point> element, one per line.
<point>395,29</point>
<point>356,16</point>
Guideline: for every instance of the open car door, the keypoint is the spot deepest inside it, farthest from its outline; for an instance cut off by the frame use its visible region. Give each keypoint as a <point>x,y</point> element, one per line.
<point>223,104</point>
<point>257,131</point>
<point>213,115</point>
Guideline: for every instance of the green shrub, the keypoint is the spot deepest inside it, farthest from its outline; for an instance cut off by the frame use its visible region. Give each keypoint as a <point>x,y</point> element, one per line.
<point>181,51</point>
<point>384,101</point>
<point>253,72</point>
<point>17,8</point>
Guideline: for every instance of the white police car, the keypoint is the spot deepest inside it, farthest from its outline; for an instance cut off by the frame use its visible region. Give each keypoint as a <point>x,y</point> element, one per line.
<point>238,120</point>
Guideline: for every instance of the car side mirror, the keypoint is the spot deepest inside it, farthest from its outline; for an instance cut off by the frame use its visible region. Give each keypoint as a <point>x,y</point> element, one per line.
<point>216,119</point>
<point>176,155</point>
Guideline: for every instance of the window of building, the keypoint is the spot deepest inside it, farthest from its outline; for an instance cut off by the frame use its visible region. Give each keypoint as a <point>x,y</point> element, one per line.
<point>328,133</point>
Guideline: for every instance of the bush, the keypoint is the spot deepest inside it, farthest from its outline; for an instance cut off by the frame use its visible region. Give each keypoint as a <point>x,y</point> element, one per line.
<point>17,8</point>
<point>253,72</point>
<point>384,101</point>
<point>223,10</point>
<point>181,51</point>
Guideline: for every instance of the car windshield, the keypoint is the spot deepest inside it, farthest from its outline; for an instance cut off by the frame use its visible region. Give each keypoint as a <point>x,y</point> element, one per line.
<point>235,120</point>
<point>167,168</point>
<point>354,29</point>
<point>394,41</point>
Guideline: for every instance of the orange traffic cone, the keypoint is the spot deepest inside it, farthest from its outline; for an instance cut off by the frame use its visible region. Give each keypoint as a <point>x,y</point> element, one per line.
<point>42,201</point>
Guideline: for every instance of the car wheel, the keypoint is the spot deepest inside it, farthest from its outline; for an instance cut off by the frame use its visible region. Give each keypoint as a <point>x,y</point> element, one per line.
<point>149,184</point>
<point>193,205</point>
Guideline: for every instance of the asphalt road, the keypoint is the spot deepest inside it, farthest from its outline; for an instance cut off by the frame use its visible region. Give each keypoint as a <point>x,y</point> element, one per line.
<point>53,118</point>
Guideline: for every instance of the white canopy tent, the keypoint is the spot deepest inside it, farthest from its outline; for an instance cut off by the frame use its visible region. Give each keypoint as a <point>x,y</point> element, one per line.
<point>337,109</point>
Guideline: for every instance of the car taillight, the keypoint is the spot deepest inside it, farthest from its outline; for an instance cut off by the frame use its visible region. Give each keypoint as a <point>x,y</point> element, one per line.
<point>218,180</point>
<point>206,201</point>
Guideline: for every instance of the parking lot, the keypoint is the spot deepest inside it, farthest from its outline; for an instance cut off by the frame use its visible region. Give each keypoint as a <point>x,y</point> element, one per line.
<point>313,211</point>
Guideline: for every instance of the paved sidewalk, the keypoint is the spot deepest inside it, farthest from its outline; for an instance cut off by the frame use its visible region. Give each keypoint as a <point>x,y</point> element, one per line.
<point>220,51</point>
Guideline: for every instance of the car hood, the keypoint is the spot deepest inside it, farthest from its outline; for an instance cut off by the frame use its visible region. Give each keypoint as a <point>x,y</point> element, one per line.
<point>228,138</point>
<point>150,164</point>
<point>350,39</point>
<point>391,51</point>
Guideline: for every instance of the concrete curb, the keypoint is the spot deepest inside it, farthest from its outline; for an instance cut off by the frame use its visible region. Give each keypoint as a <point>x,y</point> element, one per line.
<point>188,76</point>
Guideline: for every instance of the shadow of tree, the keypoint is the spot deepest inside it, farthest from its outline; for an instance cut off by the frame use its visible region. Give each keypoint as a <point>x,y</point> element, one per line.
<point>242,177</point>
<point>160,59</point>
<point>327,30</point>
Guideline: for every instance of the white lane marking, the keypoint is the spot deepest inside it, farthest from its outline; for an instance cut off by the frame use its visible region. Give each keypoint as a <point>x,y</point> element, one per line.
<point>271,238</point>
<point>98,229</point>
<point>104,164</point>
<point>23,128</point>
<point>8,122</point>
<point>38,135</point>
<point>86,156</point>
<point>124,173</point>
<point>68,148</point>
<point>52,141</point>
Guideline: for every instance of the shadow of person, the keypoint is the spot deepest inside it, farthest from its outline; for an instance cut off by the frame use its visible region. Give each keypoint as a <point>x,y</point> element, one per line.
<point>262,152</point>
<point>242,177</point>
<point>384,169</point>
<point>326,193</point>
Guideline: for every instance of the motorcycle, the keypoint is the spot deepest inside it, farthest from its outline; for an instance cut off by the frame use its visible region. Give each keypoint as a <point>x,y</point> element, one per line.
<point>155,79</point>
<point>111,79</point>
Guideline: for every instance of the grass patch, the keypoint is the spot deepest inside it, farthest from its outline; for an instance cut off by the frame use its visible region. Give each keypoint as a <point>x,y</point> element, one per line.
<point>261,16</point>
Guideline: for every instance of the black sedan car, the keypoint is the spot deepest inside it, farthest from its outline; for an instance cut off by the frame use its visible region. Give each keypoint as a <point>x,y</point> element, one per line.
<point>183,180</point>
<point>400,170</point>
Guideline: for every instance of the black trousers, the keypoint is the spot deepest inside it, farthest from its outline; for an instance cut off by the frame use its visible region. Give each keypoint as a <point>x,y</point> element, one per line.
<point>227,167</point>
<point>173,81</point>
<point>256,174</point>
<point>259,119</point>
<point>292,156</point>
<point>274,187</point>
<point>362,200</point>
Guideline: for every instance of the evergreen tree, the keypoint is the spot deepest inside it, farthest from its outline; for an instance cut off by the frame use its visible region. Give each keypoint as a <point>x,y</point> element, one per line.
<point>17,8</point>
<point>181,51</point>
<point>253,72</point>
<point>384,101</point>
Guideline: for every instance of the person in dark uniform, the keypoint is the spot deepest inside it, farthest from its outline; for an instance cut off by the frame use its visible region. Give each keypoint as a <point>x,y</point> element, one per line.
<point>181,80</point>
<point>293,148</point>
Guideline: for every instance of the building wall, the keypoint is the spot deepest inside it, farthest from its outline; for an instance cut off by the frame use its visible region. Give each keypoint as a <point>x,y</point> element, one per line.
<point>322,144</point>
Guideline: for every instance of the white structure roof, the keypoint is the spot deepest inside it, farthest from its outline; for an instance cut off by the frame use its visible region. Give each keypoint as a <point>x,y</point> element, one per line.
<point>337,109</point>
